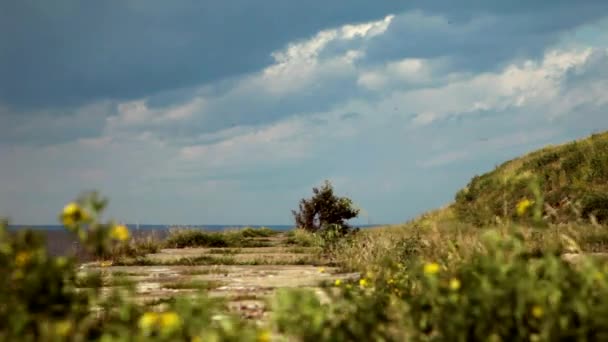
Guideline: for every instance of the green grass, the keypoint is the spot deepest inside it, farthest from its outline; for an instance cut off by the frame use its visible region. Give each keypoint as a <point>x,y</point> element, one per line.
<point>246,237</point>
<point>206,260</point>
<point>204,271</point>
<point>572,180</point>
<point>193,284</point>
<point>438,277</point>
<point>302,238</point>
<point>136,247</point>
<point>229,251</point>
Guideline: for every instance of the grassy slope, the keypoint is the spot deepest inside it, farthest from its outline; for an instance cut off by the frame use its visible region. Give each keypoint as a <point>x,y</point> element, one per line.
<point>572,179</point>
<point>576,171</point>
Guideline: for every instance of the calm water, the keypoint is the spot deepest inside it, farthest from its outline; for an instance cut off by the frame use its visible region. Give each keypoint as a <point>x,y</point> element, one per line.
<point>61,242</point>
<point>159,227</point>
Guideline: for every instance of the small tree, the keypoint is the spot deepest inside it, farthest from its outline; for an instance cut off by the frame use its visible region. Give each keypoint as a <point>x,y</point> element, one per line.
<point>325,210</point>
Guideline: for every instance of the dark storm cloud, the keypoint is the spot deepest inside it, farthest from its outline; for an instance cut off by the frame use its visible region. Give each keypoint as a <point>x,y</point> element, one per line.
<point>485,41</point>
<point>70,52</point>
<point>53,127</point>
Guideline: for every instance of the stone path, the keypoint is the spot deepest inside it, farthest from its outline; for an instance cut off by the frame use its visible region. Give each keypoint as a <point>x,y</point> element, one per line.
<point>246,287</point>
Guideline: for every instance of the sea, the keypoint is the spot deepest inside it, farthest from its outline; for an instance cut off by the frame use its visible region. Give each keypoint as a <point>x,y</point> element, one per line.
<point>160,227</point>
<point>61,242</point>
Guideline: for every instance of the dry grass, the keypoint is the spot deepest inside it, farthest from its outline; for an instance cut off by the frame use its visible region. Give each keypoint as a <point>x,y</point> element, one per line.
<point>437,237</point>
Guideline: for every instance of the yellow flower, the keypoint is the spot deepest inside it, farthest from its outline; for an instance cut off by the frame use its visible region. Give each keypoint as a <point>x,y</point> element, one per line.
<point>363,282</point>
<point>196,339</point>
<point>170,321</point>
<point>148,320</point>
<point>61,261</point>
<point>431,268</point>
<point>63,328</point>
<point>105,263</point>
<point>264,336</point>
<point>71,209</point>
<point>338,282</point>
<point>523,206</point>
<point>391,281</point>
<point>22,258</point>
<point>454,284</point>
<point>120,233</point>
<point>598,276</point>
<point>18,274</point>
<point>322,270</point>
<point>73,214</point>
<point>537,311</point>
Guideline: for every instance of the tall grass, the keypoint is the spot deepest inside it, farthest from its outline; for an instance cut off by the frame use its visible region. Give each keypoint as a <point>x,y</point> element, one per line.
<point>452,242</point>
<point>245,237</point>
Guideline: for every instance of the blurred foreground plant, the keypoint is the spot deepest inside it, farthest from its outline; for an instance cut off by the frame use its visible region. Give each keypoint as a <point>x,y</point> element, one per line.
<point>45,298</point>
<point>500,294</point>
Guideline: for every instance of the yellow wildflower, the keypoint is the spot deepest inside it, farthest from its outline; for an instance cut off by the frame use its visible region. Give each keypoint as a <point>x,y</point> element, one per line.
<point>18,274</point>
<point>537,311</point>
<point>363,282</point>
<point>431,268</point>
<point>322,270</point>
<point>523,206</point>
<point>338,282</point>
<point>196,339</point>
<point>71,209</point>
<point>391,281</point>
<point>105,263</point>
<point>148,320</point>
<point>170,321</point>
<point>63,328</point>
<point>23,258</point>
<point>73,214</point>
<point>5,248</point>
<point>264,336</point>
<point>120,233</point>
<point>61,261</point>
<point>598,276</point>
<point>454,284</point>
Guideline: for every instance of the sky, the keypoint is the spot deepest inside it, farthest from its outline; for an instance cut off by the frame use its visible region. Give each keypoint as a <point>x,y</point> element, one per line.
<point>229,112</point>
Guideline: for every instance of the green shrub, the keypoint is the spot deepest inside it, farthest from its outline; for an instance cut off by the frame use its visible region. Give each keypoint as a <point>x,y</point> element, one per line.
<point>44,298</point>
<point>180,238</point>
<point>500,294</point>
<point>325,209</point>
<point>563,174</point>
<point>246,237</point>
<point>301,237</point>
<point>596,204</point>
<point>250,232</point>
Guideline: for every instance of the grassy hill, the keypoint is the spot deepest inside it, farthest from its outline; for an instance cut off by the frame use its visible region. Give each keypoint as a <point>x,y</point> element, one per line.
<point>564,183</point>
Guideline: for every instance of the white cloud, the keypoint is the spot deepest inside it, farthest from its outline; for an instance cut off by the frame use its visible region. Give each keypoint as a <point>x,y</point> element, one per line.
<point>317,111</point>
<point>408,71</point>
<point>279,142</point>
<point>444,158</point>
<point>137,113</point>
<point>528,83</point>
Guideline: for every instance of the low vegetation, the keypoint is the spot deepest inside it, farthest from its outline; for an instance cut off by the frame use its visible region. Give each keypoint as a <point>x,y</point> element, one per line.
<point>564,184</point>
<point>509,260</point>
<point>246,237</point>
<point>325,211</point>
